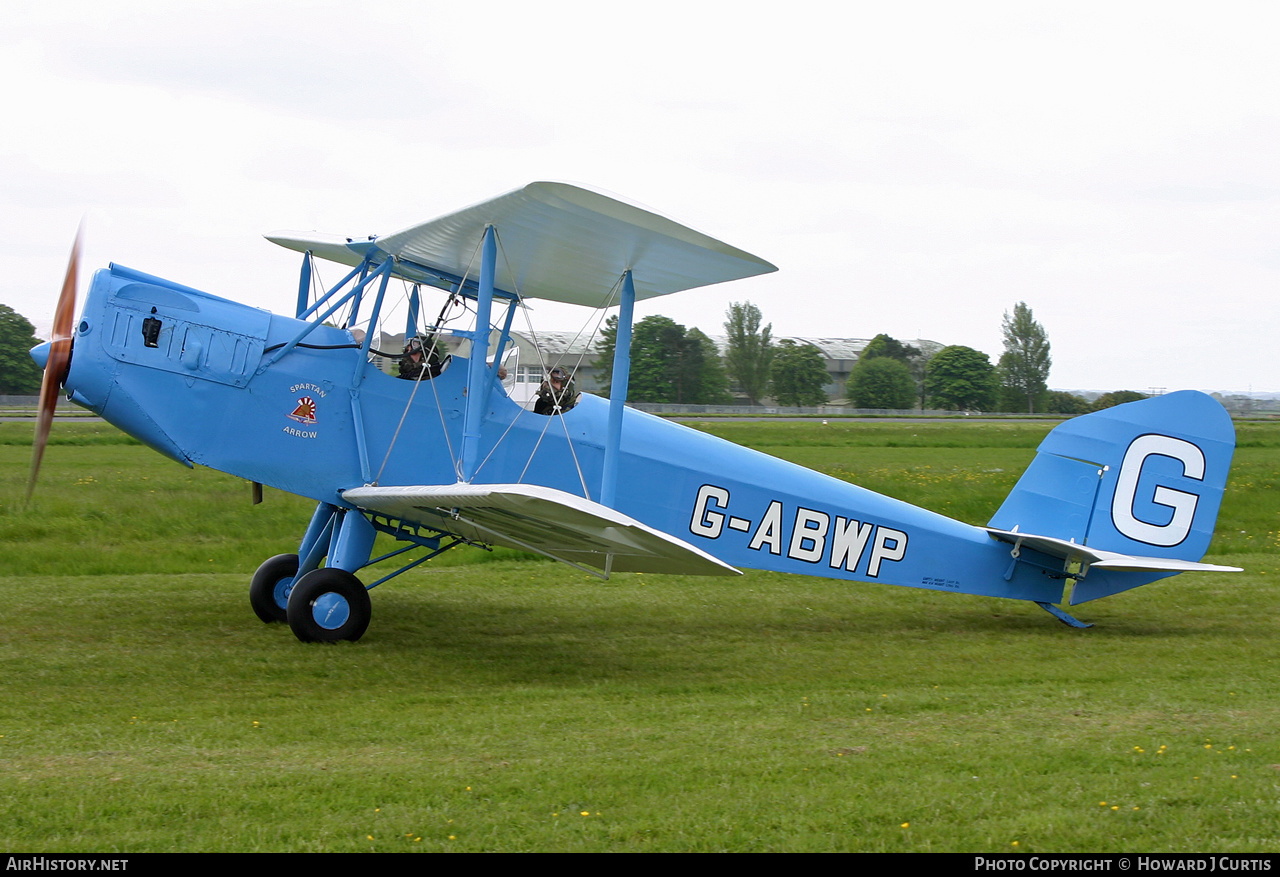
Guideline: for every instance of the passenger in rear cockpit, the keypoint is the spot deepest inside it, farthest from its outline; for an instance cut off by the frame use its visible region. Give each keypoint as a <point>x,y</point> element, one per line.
<point>556,395</point>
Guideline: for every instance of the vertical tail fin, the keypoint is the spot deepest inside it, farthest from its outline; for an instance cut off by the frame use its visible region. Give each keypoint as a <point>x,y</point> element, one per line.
<point>1144,479</point>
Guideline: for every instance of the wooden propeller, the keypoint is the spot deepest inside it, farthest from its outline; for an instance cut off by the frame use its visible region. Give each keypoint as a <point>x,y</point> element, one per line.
<point>58,364</point>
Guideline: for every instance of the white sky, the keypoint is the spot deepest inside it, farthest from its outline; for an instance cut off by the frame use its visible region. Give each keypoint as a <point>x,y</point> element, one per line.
<point>912,168</point>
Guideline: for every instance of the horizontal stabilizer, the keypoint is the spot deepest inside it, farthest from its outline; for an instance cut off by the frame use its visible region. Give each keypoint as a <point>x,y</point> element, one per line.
<point>550,522</point>
<point>558,242</point>
<point>1096,558</point>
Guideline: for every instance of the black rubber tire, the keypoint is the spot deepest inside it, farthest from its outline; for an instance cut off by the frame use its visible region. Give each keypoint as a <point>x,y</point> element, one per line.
<point>269,590</point>
<point>327,589</point>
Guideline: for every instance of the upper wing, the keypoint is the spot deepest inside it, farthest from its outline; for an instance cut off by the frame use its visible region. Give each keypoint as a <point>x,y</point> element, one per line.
<point>544,520</point>
<point>558,242</point>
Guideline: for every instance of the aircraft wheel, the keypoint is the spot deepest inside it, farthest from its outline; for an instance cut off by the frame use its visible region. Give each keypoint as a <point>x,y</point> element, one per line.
<point>269,590</point>
<point>328,605</point>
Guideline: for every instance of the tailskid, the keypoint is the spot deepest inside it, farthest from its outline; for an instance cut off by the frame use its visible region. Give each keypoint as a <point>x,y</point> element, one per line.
<point>1062,616</point>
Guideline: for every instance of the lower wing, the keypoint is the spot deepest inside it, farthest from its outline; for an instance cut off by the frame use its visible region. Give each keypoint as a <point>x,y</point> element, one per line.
<point>550,522</point>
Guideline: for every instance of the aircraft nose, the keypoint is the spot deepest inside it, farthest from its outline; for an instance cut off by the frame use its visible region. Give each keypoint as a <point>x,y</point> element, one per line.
<point>40,353</point>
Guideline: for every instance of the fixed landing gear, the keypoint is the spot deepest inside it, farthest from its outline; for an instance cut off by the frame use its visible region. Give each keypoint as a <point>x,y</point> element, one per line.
<point>269,590</point>
<point>321,604</point>
<point>329,605</point>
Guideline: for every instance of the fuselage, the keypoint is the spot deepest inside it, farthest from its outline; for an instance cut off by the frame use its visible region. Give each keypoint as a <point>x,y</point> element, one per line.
<point>186,373</point>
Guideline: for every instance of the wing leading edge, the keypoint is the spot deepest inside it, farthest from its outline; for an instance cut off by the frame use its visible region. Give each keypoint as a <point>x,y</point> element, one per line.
<point>543,520</point>
<point>559,243</point>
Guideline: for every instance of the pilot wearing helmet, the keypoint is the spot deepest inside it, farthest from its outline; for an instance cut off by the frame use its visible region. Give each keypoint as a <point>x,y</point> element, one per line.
<point>556,395</point>
<point>420,362</point>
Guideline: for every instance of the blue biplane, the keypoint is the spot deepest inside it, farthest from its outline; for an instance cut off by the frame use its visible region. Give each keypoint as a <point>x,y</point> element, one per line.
<point>1112,500</point>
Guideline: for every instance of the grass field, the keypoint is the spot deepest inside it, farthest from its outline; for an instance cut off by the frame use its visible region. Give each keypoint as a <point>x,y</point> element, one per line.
<point>501,703</point>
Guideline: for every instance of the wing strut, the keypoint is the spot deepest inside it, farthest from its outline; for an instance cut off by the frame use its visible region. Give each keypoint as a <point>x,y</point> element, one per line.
<point>477,386</point>
<point>618,391</point>
<point>304,285</point>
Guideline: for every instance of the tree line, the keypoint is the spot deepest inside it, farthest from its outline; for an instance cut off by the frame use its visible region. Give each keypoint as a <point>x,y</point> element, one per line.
<point>19,375</point>
<point>671,363</point>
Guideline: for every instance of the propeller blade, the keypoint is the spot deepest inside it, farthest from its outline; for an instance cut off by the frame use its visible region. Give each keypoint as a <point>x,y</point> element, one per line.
<point>59,362</point>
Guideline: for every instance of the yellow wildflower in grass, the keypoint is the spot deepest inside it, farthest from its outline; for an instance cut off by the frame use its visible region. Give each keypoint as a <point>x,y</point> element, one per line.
<point>906,825</point>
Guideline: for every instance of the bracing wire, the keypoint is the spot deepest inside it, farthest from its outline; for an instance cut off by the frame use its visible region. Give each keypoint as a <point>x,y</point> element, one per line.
<point>599,316</point>
<point>607,301</point>
<point>542,364</point>
<point>455,459</point>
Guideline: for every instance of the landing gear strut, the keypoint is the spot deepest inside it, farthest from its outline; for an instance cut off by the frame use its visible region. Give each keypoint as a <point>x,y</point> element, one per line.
<point>328,604</point>
<point>321,604</point>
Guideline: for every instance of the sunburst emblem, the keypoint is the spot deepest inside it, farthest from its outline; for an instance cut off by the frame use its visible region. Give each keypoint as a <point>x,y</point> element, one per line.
<point>306,410</point>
